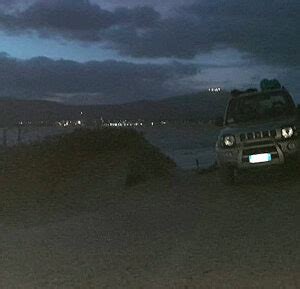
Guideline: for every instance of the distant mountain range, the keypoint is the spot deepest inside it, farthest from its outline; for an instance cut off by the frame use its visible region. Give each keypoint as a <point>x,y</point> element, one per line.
<point>201,106</point>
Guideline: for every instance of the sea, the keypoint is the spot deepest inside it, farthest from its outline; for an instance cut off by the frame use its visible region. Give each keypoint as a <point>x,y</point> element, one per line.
<point>190,147</point>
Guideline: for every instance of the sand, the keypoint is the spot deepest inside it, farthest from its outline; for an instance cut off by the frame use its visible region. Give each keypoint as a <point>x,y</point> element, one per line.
<point>187,232</point>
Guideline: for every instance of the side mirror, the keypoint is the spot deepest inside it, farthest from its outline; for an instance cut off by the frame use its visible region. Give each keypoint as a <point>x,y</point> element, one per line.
<point>219,121</point>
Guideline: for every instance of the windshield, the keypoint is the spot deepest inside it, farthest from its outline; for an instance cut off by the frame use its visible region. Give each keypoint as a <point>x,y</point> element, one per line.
<point>259,107</point>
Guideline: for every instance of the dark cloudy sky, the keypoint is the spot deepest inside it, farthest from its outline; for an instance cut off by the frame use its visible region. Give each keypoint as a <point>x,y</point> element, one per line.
<point>101,51</point>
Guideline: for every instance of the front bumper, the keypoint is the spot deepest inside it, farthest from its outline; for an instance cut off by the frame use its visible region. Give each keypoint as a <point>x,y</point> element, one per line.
<point>281,151</point>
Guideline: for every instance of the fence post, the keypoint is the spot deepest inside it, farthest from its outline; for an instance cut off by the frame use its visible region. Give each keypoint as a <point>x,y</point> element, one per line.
<point>19,135</point>
<point>5,137</point>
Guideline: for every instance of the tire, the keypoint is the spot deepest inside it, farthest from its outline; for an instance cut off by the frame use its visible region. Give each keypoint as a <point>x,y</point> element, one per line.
<point>292,167</point>
<point>227,175</point>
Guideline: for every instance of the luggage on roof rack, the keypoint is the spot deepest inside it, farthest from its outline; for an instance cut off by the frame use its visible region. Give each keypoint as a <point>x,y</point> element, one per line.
<point>265,85</point>
<point>269,84</point>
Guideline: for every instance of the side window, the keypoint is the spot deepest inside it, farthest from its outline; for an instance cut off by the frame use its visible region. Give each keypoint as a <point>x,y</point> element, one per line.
<point>231,111</point>
<point>250,106</point>
<point>266,104</point>
<point>236,110</point>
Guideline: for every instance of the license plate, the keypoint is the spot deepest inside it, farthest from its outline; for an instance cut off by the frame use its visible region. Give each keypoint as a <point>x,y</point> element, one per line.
<point>260,158</point>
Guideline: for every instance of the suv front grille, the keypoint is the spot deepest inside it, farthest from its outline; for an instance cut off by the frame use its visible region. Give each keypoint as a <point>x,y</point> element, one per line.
<point>259,143</point>
<point>258,135</point>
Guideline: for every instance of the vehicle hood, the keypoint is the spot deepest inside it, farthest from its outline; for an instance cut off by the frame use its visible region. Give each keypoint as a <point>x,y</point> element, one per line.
<point>258,126</point>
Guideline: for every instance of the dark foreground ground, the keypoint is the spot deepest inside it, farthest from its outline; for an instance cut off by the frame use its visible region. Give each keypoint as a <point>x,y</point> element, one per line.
<point>187,232</point>
<point>105,209</point>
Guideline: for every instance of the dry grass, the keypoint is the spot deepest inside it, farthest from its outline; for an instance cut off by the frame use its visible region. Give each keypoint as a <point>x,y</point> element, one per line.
<point>67,173</point>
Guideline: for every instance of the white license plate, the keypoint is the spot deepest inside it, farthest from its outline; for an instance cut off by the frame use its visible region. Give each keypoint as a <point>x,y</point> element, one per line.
<point>260,158</point>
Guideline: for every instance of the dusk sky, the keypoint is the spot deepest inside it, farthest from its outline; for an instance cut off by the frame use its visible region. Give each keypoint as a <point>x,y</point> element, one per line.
<point>110,51</point>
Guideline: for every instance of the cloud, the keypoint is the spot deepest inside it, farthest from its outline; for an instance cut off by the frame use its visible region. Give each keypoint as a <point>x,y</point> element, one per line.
<point>108,81</point>
<point>165,7</point>
<point>75,19</point>
<point>140,17</point>
<point>173,37</point>
<point>118,82</point>
<point>71,19</point>
<point>266,29</point>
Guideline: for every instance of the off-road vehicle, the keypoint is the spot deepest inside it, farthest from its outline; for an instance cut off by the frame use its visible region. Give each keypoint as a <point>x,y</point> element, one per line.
<point>259,129</point>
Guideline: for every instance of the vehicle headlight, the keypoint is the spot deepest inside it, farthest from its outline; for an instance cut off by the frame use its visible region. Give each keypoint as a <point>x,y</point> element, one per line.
<point>229,141</point>
<point>287,132</point>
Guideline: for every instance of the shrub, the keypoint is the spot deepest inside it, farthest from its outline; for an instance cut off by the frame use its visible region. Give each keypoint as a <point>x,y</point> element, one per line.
<point>85,154</point>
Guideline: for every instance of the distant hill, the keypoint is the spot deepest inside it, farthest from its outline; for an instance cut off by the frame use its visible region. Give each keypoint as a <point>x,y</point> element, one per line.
<point>13,111</point>
<point>200,106</point>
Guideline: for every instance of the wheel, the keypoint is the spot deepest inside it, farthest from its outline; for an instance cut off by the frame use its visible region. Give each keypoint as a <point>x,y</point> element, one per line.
<point>292,167</point>
<point>227,175</point>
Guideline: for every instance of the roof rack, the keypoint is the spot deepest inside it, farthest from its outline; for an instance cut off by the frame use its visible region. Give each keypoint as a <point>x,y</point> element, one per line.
<point>237,92</point>
<point>265,85</point>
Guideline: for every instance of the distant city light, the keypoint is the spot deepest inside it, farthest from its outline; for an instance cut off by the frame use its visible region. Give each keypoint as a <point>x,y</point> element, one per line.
<point>216,89</point>
<point>95,122</point>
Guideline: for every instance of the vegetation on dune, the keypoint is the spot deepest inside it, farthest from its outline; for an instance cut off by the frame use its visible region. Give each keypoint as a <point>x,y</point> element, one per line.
<point>69,167</point>
<point>85,152</point>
